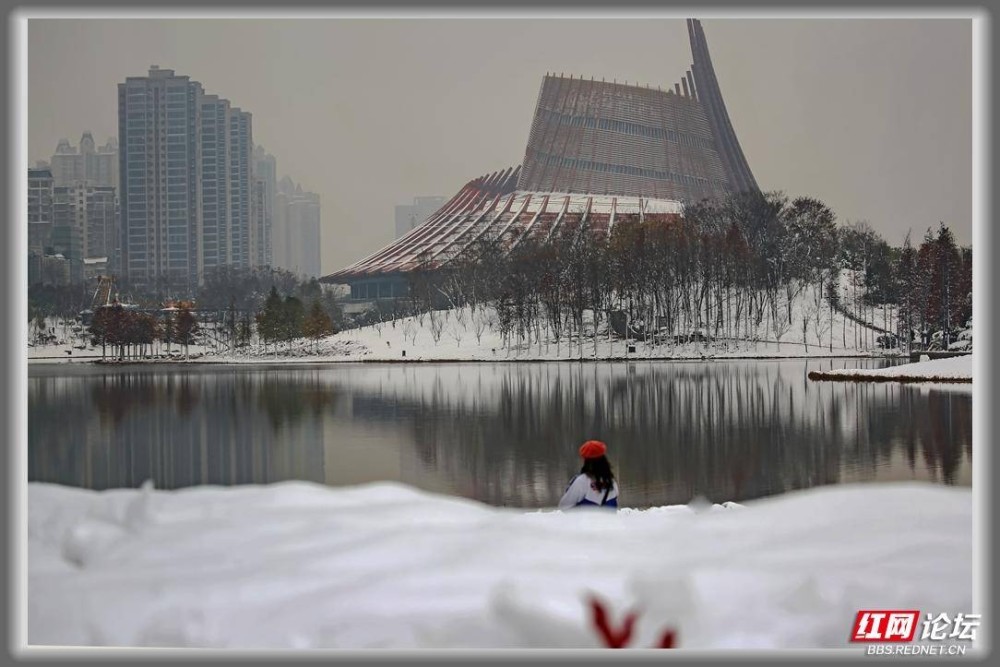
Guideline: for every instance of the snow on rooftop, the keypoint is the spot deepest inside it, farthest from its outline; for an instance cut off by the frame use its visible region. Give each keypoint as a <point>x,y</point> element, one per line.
<point>600,203</point>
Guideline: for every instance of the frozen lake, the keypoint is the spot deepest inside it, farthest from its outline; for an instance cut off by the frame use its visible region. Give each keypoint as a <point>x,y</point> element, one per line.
<point>505,434</point>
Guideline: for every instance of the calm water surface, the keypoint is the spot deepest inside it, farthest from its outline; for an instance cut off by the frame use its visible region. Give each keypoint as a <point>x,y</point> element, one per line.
<point>505,434</point>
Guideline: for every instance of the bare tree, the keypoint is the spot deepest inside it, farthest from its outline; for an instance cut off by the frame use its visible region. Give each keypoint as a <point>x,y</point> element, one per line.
<point>410,330</point>
<point>780,324</point>
<point>436,324</point>
<point>457,331</point>
<point>482,319</point>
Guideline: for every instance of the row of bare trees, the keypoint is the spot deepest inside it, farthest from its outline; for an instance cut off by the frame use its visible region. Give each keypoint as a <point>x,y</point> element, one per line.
<point>728,270</point>
<point>131,333</point>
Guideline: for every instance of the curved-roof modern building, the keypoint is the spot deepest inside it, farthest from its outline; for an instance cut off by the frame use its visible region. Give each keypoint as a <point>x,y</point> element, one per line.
<point>598,153</point>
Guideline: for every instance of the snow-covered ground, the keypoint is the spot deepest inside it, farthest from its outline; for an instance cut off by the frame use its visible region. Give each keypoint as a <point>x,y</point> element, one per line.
<point>77,351</point>
<point>297,565</point>
<point>951,369</point>
<point>451,335</point>
<point>465,334</point>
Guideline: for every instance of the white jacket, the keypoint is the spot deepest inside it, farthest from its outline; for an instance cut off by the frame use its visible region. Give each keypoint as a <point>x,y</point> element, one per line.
<point>582,491</point>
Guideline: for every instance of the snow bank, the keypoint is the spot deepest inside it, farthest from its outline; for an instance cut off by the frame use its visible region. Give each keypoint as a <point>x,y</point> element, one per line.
<point>297,565</point>
<point>951,369</point>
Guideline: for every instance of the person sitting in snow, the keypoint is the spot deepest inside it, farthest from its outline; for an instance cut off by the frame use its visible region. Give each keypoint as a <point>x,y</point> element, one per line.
<point>595,486</point>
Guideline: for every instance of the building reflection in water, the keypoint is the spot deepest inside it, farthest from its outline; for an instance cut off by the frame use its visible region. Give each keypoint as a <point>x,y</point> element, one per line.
<point>501,433</point>
<point>178,429</point>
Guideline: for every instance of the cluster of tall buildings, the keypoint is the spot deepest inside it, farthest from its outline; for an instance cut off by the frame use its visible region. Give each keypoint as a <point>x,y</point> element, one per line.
<point>182,192</point>
<point>72,212</point>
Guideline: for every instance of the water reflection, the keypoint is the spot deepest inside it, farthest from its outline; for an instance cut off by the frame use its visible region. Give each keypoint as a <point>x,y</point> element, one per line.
<point>501,433</point>
<point>118,429</point>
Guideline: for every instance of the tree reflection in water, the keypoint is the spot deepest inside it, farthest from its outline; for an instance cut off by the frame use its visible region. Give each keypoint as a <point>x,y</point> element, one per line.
<point>502,433</point>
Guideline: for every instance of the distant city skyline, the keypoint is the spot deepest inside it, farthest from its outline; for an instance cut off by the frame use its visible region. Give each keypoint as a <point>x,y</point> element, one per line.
<point>86,162</point>
<point>417,211</point>
<point>871,116</point>
<point>182,192</point>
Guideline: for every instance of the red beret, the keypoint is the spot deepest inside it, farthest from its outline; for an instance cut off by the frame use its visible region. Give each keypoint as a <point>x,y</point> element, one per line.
<point>593,449</point>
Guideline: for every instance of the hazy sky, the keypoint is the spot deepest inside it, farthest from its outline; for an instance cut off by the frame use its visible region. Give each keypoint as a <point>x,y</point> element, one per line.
<point>872,116</point>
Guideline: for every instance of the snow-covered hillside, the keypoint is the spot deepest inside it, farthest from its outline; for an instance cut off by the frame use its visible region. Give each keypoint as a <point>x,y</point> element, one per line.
<point>809,327</point>
<point>297,565</point>
<point>467,334</point>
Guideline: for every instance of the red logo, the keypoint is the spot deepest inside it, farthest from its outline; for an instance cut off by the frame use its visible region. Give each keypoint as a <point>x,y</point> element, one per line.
<point>885,625</point>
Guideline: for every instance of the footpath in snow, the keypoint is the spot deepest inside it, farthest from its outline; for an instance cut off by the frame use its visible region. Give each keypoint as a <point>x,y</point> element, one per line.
<point>952,369</point>
<point>296,565</point>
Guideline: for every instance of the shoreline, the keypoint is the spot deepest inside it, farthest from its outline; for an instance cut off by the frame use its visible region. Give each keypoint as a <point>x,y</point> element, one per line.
<point>821,376</point>
<point>947,370</point>
<point>447,360</point>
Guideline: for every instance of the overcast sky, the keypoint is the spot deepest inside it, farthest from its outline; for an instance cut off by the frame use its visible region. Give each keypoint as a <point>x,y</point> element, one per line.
<point>872,116</point>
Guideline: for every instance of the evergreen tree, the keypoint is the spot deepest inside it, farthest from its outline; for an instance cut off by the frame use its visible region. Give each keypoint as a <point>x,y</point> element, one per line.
<point>922,286</point>
<point>186,326</point>
<point>317,324</point>
<point>270,318</point>
<point>947,301</point>
<point>907,290</point>
<point>292,315</point>
<point>244,331</point>
<point>965,286</point>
